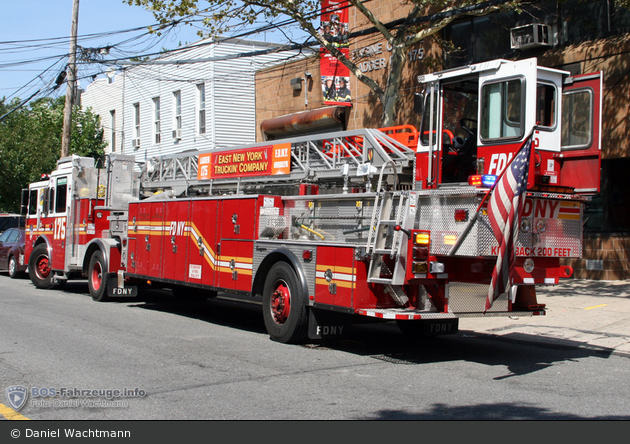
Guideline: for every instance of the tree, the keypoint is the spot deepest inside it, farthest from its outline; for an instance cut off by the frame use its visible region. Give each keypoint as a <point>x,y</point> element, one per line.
<point>426,18</point>
<point>30,138</point>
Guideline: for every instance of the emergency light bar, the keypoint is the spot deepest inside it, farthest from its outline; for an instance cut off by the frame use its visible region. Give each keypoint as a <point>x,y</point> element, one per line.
<point>487,180</point>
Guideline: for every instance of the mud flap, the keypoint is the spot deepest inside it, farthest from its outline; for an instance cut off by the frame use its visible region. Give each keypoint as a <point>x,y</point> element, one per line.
<point>324,324</point>
<point>113,290</point>
<point>435,327</point>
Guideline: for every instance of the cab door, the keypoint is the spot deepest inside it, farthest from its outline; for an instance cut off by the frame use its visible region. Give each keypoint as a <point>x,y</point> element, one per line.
<point>581,133</point>
<point>57,209</point>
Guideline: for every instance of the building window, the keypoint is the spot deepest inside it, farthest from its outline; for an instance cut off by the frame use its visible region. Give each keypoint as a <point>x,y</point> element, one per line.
<point>201,106</point>
<point>135,143</point>
<point>112,125</point>
<point>177,115</point>
<point>157,136</point>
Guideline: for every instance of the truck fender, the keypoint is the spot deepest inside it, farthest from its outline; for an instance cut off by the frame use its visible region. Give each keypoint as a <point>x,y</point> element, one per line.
<point>105,246</point>
<point>280,254</point>
<point>43,239</point>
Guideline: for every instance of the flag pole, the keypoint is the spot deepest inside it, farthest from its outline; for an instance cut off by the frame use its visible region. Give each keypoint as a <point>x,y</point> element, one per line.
<point>474,217</point>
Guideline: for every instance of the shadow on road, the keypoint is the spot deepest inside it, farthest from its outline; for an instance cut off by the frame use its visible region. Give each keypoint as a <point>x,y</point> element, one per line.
<point>486,412</point>
<point>381,340</point>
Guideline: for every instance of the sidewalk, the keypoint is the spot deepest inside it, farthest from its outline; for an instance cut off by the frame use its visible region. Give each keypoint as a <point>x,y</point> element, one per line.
<point>581,313</point>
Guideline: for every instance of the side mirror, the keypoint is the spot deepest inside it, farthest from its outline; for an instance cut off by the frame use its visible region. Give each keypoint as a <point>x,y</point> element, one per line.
<point>24,205</point>
<point>418,103</point>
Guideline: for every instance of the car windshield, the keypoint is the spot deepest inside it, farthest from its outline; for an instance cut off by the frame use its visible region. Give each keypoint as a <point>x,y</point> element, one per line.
<point>5,236</point>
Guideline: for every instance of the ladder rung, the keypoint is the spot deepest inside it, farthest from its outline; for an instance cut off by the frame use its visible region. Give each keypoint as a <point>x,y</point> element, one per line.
<point>380,280</point>
<point>383,251</point>
<point>388,222</point>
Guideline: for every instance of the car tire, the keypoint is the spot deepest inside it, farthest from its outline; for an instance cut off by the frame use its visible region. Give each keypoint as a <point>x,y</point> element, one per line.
<point>12,267</point>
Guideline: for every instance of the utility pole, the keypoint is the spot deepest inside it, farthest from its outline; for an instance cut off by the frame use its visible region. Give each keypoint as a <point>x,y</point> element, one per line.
<point>72,76</point>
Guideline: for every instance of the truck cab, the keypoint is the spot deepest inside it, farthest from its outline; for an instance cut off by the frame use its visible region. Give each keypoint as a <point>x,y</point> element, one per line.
<point>484,113</point>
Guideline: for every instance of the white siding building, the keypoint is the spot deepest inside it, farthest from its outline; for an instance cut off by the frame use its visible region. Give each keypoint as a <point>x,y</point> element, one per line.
<point>201,97</point>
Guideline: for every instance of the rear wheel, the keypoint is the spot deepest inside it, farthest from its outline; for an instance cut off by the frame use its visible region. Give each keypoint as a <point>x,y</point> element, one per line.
<point>98,277</point>
<point>284,307</point>
<point>39,267</point>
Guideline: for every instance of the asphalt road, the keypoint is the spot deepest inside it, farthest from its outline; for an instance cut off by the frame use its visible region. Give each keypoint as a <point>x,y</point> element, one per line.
<point>213,360</point>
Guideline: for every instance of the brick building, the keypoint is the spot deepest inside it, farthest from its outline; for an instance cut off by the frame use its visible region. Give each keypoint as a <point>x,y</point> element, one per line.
<point>576,36</point>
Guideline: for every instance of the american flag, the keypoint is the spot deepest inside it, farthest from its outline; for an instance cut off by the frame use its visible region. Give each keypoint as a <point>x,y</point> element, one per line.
<point>504,211</point>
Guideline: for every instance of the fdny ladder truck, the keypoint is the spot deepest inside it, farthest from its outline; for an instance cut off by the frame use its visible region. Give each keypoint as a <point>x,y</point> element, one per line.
<point>384,223</point>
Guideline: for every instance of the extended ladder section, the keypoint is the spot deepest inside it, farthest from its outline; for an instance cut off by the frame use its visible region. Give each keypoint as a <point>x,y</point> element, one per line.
<point>340,158</point>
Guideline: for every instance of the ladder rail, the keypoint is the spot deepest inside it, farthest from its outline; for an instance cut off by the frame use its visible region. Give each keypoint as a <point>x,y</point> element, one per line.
<point>308,159</point>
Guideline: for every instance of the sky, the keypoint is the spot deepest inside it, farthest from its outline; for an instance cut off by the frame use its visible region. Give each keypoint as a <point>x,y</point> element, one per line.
<point>34,38</point>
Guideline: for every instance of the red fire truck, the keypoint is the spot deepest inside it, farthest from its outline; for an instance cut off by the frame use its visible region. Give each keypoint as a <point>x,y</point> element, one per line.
<point>386,223</point>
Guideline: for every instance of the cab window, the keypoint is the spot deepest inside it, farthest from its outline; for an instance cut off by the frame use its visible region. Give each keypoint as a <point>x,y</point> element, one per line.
<point>62,191</point>
<point>577,119</point>
<point>546,105</point>
<point>502,114</point>
<point>426,118</point>
<point>32,203</point>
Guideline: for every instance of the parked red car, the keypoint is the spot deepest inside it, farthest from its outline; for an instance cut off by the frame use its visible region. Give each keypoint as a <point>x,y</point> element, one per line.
<point>12,252</point>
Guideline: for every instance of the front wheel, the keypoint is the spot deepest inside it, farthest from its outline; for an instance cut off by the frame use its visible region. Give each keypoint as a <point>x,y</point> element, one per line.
<point>98,277</point>
<point>284,306</point>
<point>39,267</point>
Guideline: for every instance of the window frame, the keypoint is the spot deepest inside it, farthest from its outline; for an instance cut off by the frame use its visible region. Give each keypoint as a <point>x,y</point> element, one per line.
<point>112,124</point>
<point>157,130</point>
<point>177,111</point>
<point>504,113</point>
<point>136,123</point>
<point>201,108</point>
<point>591,98</point>
<point>557,111</point>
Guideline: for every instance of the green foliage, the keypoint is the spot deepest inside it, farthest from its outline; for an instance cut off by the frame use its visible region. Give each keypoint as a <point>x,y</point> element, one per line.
<point>30,143</point>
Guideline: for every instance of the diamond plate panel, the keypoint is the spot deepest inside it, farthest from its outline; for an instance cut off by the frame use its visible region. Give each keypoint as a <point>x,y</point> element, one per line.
<point>471,298</point>
<point>555,234</point>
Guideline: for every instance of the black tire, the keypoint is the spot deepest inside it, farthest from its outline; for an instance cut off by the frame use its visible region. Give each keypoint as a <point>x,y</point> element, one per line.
<point>12,267</point>
<point>98,277</point>
<point>284,305</point>
<point>39,267</point>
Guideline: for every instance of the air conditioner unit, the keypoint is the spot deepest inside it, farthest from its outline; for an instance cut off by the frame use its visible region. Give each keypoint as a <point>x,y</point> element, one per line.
<point>177,134</point>
<point>531,36</point>
<point>135,143</point>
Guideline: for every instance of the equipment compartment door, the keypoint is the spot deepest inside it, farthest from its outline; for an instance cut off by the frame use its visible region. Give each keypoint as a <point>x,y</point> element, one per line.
<point>149,239</point>
<point>237,225</point>
<point>335,276</point>
<point>176,230</point>
<point>202,243</point>
<point>132,239</point>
